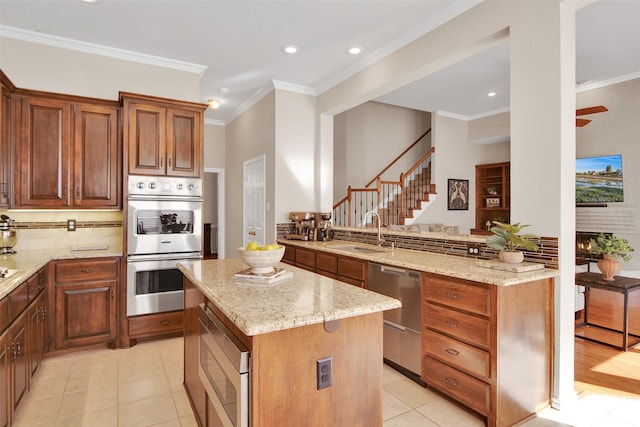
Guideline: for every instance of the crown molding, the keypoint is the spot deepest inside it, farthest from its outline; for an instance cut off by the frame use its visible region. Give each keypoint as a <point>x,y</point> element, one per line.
<point>214,122</point>
<point>95,49</point>
<point>603,83</point>
<point>292,87</point>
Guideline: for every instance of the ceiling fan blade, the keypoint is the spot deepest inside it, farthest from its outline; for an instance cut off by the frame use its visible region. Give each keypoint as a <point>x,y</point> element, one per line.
<point>591,110</point>
<point>582,122</point>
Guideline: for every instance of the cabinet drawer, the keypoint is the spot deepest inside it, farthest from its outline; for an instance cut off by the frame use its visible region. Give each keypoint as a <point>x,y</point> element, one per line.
<point>326,263</point>
<point>83,270</point>
<point>305,258</point>
<point>18,300</point>
<point>462,326</point>
<point>463,356</point>
<point>352,268</point>
<point>156,324</point>
<point>34,285</point>
<point>462,387</point>
<point>289,256</point>
<point>475,299</point>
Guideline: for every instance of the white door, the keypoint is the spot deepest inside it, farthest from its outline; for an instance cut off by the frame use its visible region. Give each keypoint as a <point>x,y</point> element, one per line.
<point>254,207</point>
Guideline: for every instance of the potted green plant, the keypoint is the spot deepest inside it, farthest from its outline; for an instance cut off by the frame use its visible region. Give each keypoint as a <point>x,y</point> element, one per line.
<point>507,240</point>
<point>610,247</point>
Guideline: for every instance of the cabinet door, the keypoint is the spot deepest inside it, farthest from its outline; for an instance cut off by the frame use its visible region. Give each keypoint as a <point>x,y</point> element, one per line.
<point>96,156</point>
<point>36,333</point>
<point>146,135</point>
<point>5,138</point>
<point>5,355</point>
<point>184,142</point>
<point>19,366</point>
<point>85,313</point>
<point>42,172</point>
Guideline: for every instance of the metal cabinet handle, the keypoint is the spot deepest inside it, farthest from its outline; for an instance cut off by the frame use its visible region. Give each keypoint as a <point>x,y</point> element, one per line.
<point>78,192</point>
<point>452,296</point>
<point>451,381</point>
<point>452,351</point>
<point>87,270</point>
<point>161,161</point>
<point>169,161</point>
<point>451,324</point>
<point>43,312</point>
<point>14,355</point>
<point>18,348</point>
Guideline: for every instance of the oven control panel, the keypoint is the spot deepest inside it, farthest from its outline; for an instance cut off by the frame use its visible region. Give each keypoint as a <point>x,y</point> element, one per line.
<point>164,186</point>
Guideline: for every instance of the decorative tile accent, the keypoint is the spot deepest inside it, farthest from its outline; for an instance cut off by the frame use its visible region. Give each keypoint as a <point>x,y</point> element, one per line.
<point>53,225</point>
<point>450,245</point>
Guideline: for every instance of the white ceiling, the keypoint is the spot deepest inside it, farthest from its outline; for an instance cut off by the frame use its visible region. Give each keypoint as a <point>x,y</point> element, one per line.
<point>239,43</point>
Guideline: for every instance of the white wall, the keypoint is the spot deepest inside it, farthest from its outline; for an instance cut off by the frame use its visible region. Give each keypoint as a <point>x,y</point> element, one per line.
<point>53,69</point>
<point>294,155</point>
<point>368,137</point>
<point>250,134</point>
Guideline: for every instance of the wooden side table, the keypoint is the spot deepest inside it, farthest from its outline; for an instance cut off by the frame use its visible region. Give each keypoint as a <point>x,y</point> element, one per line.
<point>621,285</point>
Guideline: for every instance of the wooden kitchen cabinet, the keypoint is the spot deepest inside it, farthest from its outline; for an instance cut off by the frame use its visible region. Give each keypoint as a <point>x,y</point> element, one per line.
<point>493,195</point>
<point>67,152</point>
<point>42,152</point>
<point>86,302</point>
<point>346,269</point>
<point>488,347</point>
<point>18,362</point>
<point>5,356</point>
<point>6,90</point>
<point>96,156</point>
<point>163,137</point>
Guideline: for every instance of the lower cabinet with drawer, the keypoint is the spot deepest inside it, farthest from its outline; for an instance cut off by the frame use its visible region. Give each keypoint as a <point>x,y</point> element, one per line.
<point>23,317</point>
<point>86,302</point>
<point>489,347</point>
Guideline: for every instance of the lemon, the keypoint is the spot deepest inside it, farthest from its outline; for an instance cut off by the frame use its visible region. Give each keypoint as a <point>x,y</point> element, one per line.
<point>253,246</point>
<point>273,247</point>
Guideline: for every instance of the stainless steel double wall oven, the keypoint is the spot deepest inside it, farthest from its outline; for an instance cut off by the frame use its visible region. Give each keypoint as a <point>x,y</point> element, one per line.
<point>164,223</point>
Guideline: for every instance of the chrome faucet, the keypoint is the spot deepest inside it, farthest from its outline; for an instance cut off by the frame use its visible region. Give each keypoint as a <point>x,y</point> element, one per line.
<point>364,221</point>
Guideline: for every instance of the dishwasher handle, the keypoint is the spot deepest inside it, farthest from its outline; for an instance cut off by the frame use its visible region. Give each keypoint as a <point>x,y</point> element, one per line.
<point>399,271</point>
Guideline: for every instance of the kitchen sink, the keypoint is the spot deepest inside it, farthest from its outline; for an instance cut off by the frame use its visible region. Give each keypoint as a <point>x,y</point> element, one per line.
<point>361,249</point>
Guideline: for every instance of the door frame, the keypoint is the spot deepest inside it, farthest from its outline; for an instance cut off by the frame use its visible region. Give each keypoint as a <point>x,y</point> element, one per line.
<point>221,199</point>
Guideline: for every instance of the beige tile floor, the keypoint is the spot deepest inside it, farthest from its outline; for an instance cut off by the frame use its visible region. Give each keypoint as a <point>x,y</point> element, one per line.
<point>142,386</point>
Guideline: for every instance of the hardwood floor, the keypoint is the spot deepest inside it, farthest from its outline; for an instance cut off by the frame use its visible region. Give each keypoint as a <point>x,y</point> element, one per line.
<point>602,369</point>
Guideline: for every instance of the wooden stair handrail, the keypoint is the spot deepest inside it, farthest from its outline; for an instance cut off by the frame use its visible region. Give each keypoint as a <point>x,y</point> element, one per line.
<point>418,163</point>
<point>398,158</point>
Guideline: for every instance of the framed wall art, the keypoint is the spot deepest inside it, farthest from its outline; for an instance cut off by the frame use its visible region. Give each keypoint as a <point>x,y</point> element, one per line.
<point>458,195</point>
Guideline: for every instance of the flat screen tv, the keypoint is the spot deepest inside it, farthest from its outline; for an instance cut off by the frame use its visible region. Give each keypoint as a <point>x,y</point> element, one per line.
<point>599,180</point>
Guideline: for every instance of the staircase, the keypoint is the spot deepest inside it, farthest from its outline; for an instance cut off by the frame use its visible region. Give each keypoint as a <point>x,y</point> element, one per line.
<point>396,202</point>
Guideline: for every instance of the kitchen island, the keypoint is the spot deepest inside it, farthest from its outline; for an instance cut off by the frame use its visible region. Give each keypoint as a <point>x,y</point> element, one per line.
<point>288,327</point>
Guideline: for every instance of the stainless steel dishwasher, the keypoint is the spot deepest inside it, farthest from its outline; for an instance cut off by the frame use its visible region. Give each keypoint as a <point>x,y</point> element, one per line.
<point>401,339</point>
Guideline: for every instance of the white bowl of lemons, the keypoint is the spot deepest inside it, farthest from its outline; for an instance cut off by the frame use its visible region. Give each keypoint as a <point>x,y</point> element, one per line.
<point>261,259</point>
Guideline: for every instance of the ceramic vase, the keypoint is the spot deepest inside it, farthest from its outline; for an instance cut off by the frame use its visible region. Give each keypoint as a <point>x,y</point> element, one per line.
<point>608,267</point>
<point>511,257</point>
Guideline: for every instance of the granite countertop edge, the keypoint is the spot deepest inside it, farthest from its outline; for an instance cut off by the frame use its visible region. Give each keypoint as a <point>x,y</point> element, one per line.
<point>304,299</point>
<point>28,262</point>
<point>428,262</point>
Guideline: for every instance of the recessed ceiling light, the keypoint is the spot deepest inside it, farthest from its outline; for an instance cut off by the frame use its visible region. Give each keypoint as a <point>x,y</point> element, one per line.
<point>291,49</point>
<point>355,50</point>
<point>491,94</point>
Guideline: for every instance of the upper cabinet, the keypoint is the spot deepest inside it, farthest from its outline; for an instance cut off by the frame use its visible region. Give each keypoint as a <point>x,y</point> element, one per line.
<point>493,201</point>
<point>6,89</point>
<point>67,152</point>
<point>163,137</point>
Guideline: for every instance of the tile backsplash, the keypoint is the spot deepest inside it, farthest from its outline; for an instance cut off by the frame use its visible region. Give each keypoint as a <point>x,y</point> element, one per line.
<point>48,229</point>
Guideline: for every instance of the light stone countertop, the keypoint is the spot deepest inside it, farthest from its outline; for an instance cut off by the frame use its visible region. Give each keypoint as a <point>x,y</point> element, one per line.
<point>305,298</point>
<point>29,262</point>
<point>430,262</point>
